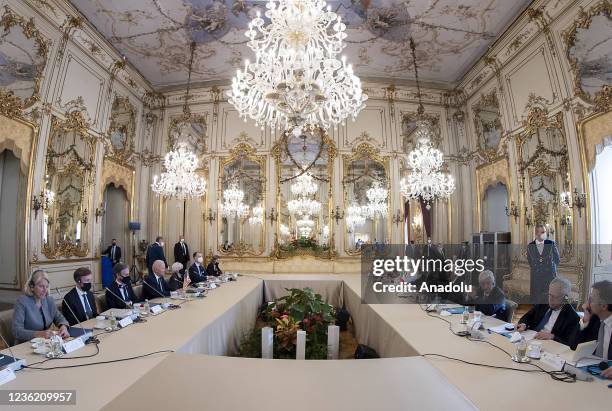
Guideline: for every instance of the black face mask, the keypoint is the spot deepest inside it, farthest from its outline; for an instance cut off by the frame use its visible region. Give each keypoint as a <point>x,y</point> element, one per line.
<point>86,287</point>
<point>114,243</point>
<point>126,279</point>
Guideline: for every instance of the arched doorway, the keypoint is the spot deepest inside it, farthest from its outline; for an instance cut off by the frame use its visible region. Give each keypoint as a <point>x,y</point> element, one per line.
<point>115,222</point>
<point>494,203</point>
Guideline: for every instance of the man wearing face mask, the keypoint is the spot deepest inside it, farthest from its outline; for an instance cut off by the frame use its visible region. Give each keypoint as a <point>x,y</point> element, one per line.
<point>80,299</point>
<point>197,271</point>
<point>543,257</point>
<point>121,287</point>
<point>181,253</point>
<point>156,252</point>
<point>113,252</point>
<point>213,267</point>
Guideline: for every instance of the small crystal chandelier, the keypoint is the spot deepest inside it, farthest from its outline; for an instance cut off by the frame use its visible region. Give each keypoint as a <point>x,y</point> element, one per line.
<point>304,207</point>
<point>284,231</point>
<point>232,205</point>
<point>354,216</point>
<point>257,215</point>
<point>180,180</point>
<point>304,185</point>
<point>296,78</point>
<point>426,181</point>
<point>305,226</point>
<point>377,201</point>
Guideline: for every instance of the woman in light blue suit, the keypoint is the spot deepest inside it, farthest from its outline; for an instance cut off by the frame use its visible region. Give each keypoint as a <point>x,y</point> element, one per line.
<point>36,311</point>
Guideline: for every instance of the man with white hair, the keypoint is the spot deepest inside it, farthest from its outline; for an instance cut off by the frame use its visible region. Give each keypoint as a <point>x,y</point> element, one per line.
<point>556,320</point>
<point>490,299</point>
<point>156,285</point>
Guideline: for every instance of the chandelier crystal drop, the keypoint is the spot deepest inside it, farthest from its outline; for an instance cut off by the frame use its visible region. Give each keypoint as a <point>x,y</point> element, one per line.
<point>297,78</point>
<point>180,180</point>
<point>426,180</point>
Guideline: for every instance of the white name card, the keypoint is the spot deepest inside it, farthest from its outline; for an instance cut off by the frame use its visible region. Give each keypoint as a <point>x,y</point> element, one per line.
<point>6,375</point>
<point>125,322</point>
<point>73,345</point>
<point>555,362</point>
<point>156,309</point>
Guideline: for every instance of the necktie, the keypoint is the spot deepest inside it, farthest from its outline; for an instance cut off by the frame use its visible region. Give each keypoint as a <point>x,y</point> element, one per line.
<point>161,287</point>
<point>544,320</point>
<point>87,307</point>
<point>123,292</point>
<point>113,254</point>
<point>184,251</point>
<point>599,350</point>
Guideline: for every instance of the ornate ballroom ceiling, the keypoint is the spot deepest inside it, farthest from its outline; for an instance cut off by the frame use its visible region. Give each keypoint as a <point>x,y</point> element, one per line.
<point>155,35</point>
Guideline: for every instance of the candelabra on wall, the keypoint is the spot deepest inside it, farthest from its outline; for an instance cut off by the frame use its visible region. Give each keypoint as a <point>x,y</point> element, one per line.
<point>337,214</point>
<point>513,211</point>
<point>210,216</point>
<point>397,217</point>
<point>99,213</point>
<point>273,216</point>
<point>42,202</point>
<point>578,200</point>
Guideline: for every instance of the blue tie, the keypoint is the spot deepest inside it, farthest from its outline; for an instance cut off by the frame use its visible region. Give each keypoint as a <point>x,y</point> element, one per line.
<point>544,320</point>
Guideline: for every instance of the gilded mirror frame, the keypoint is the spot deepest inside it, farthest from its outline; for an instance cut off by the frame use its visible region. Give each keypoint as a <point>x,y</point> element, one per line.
<point>280,147</point>
<point>365,151</point>
<point>602,98</point>
<point>124,155</point>
<point>490,154</point>
<point>74,122</point>
<point>238,154</point>
<point>10,104</point>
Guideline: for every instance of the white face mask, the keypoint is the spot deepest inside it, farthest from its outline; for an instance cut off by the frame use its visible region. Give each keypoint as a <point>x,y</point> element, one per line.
<point>200,260</point>
<point>161,243</point>
<point>182,240</point>
<point>542,237</point>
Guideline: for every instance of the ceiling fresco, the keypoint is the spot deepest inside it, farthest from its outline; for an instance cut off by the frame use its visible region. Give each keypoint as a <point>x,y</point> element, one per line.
<point>155,35</point>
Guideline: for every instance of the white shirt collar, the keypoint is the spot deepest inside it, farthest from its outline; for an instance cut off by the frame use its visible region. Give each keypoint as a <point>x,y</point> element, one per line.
<point>539,241</point>
<point>608,321</point>
<point>81,292</point>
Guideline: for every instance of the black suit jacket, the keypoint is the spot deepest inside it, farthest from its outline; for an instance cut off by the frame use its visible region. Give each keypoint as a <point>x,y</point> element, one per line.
<point>590,333</point>
<point>176,281</point>
<point>494,304</point>
<point>113,300</point>
<point>565,327</point>
<point>76,304</point>
<point>213,269</point>
<point>108,252</point>
<point>149,293</point>
<point>197,274</point>
<point>180,256</point>
<point>155,252</point>
<point>543,268</point>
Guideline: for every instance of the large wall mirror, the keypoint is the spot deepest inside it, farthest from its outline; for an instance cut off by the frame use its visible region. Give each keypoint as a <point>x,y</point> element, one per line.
<point>589,50</point>
<point>545,175</point>
<point>304,165</point>
<point>69,176</point>
<point>487,123</point>
<point>122,130</point>
<point>23,54</point>
<point>366,199</point>
<point>242,202</point>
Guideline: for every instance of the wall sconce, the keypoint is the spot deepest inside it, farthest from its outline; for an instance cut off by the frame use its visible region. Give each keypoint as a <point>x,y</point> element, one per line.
<point>42,202</point>
<point>578,200</point>
<point>210,216</point>
<point>398,217</point>
<point>273,216</point>
<point>528,221</point>
<point>337,214</point>
<point>513,211</point>
<point>99,213</point>
<point>85,217</point>
<point>565,220</point>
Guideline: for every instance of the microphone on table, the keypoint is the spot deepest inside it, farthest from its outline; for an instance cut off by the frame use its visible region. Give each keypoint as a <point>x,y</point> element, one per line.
<point>170,305</point>
<point>138,319</point>
<point>90,340</point>
<point>16,364</point>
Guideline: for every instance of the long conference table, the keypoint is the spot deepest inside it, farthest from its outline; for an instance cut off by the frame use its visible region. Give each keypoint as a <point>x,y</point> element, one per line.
<point>193,372</point>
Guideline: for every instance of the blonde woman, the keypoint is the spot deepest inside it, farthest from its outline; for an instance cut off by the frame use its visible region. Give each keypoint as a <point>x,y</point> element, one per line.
<point>36,311</point>
<point>178,280</point>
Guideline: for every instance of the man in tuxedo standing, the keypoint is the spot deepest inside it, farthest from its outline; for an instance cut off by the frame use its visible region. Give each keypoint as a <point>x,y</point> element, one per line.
<point>80,300</point>
<point>113,252</point>
<point>543,257</point>
<point>597,322</point>
<point>181,253</point>
<point>156,252</point>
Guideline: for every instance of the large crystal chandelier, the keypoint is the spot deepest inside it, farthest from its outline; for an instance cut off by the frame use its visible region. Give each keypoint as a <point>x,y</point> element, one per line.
<point>232,205</point>
<point>304,206</point>
<point>426,181</point>
<point>304,187</point>
<point>296,78</point>
<point>354,216</point>
<point>257,216</point>
<point>180,180</point>
<point>377,201</point>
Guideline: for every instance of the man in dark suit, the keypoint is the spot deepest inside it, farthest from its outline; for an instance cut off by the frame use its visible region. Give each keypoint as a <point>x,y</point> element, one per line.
<point>120,293</point>
<point>113,252</point>
<point>543,257</point>
<point>597,322</point>
<point>197,272</point>
<point>181,253</point>
<point>155,285</point>
<point>213,267</point>
<point>156,252</point>
<point>80,300</point>
<point>490,299</point>
<point>556,320</point>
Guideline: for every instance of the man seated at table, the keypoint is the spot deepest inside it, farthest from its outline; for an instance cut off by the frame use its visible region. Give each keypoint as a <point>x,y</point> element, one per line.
<point>213,267</point>
<point>35,311</point>
<point>120,293</point>
<point>197,272</point>
<point>490,299</point>
<point>79,304</point>
<point>178,280</point>
<point>556,320</point>
<point>154,285</point>
<point>597,322</point>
